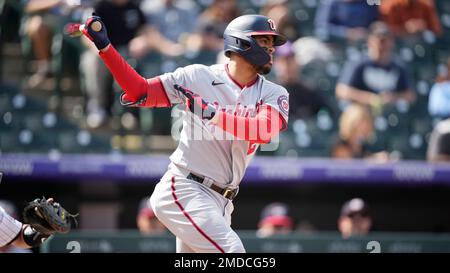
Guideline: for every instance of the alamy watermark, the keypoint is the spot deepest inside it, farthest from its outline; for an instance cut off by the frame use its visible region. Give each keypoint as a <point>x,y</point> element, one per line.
<point>189,126</point>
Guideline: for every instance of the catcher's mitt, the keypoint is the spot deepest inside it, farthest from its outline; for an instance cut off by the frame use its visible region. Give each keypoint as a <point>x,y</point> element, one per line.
<point>48,217</point>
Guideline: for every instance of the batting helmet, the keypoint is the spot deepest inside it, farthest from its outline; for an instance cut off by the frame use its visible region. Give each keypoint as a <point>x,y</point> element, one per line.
<point>238,37</point>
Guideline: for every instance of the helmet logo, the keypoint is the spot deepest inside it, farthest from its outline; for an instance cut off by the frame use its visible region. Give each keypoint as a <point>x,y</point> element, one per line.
<point>271,24</point>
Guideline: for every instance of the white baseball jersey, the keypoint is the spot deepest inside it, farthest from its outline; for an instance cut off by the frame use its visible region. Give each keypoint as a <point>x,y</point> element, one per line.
<point>204,148</point>
<point>9,228</point>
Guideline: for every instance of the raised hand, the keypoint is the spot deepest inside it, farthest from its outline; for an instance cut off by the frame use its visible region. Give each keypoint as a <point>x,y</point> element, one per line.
<point>96,31</point>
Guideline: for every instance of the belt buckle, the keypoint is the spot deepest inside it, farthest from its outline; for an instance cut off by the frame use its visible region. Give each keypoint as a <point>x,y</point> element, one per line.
<point>229,193</point>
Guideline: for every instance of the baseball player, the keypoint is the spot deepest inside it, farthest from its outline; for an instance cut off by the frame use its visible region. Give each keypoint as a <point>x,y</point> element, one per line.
<point>18,234</point>
<point>230,110</point>
<point>40,226</point>
<point>13,231</point>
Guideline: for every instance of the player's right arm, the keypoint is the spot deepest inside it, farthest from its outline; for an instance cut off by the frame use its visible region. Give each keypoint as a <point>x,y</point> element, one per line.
<point>138,91</point>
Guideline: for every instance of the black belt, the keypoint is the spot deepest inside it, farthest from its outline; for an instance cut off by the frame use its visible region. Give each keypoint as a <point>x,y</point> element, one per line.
<point>228,193</point>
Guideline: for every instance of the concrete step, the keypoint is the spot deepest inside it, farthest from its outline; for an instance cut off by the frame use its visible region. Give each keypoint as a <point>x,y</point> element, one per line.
<point>12,49</point>
<point>13,63</point>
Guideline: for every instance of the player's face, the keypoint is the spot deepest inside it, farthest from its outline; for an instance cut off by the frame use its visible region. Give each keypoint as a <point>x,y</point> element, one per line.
<point>356,225</point>
<point>266,42</point>
<point>380,47</point>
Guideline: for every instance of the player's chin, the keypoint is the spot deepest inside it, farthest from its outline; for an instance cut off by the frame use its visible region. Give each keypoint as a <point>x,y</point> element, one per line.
<point>265,69</point>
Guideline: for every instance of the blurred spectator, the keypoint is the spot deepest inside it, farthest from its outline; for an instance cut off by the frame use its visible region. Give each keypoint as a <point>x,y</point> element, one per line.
<point>304,102</point>
<point>173,18</point>
<point>275,219</point>
<point>211,25</point>
<point>355,132</point>
<point>11,209</point>
<point>439,145</point>
<point>378,79</point>
<point>124,20</point>
<point>305,227</point>
<point>310,49</point>
<point>345,19</point>
<point>146,220</point>
<point>281,13</point>
<point>355,218</point>
<point>169,23</point>
<point>439,100</point>
<point>410,17</point>
<point>44,19</point>
<point>152,39</point>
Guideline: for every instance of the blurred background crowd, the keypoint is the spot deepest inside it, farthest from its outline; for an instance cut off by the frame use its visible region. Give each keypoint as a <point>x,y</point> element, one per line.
<point>367,80</point>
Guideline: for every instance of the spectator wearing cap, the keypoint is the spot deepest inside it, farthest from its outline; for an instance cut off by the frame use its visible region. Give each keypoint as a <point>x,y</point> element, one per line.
<point>355,218</point>
<point>146,220</point>
<point>275,219</point>
<point>304,102</point>
<point>379,79</point>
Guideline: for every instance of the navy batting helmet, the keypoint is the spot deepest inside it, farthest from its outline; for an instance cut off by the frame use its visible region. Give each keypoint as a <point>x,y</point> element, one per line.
<point>238,37</point>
